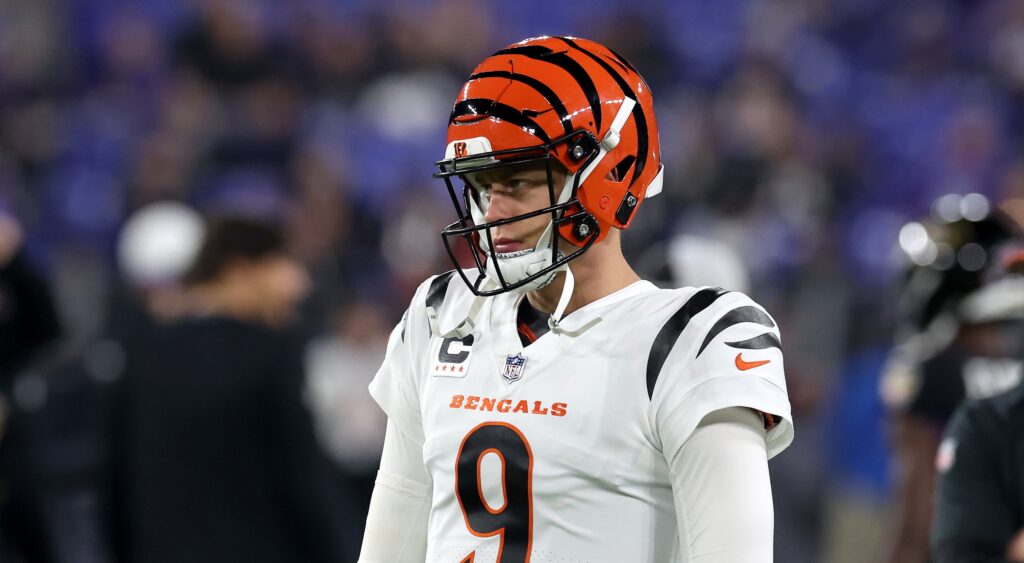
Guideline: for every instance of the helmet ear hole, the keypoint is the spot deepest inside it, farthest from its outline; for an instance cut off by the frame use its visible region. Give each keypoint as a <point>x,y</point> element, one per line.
<point>618,173</point>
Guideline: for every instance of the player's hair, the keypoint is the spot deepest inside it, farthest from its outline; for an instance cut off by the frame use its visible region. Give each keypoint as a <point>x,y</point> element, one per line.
<point>232,239</point>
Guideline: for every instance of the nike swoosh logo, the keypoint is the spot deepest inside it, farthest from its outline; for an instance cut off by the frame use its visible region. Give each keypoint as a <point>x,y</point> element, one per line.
<point>744,366</point>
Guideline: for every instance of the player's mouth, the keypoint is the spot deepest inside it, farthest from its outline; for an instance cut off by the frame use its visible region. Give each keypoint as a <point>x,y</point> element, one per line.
<point>505,245</point>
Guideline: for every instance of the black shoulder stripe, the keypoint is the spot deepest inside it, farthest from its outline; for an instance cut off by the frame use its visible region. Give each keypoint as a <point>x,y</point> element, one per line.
<point>748,314</point>
<point>540,87</point>
<point>565,62</point>
<point>763,342</point>
<point>669,333</point>
<point>638,112</point>
<point>483,107</point>
<point>438,289</point>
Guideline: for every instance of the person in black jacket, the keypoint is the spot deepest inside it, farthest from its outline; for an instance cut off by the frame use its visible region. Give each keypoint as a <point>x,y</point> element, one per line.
<point>979,497</point>
<point>942,356</point>
<point>28,318</point>
<point>216,459</point>
<point>28,326</point>
<point>979,500</point>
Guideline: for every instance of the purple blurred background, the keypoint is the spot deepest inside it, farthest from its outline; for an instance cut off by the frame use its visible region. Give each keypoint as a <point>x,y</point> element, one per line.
<point>801,133</point>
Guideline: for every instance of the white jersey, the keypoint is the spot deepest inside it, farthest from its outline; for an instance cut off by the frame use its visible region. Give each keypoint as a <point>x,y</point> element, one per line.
<point>558,451</point>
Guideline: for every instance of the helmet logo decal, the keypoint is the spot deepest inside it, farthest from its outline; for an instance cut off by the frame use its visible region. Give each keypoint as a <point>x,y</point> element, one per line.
<point>468,147</point>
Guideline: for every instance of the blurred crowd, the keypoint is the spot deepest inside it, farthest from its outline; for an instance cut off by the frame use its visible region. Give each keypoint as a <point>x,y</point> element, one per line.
<point>800,134</point>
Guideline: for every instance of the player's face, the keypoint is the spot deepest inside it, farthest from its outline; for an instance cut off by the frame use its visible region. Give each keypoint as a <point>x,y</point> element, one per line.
<point>513,191</point>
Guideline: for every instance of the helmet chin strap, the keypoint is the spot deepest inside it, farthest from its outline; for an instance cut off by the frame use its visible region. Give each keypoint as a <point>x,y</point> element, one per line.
<point>563,301</point>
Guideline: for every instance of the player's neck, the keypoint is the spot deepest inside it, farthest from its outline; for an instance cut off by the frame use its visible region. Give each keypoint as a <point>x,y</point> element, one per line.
<point>599,272</point>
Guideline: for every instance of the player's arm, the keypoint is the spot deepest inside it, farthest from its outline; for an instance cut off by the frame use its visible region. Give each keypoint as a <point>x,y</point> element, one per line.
<point>722,491</point>
<point>716,382</point>
<point>396,525</point>
<point>972,520</point>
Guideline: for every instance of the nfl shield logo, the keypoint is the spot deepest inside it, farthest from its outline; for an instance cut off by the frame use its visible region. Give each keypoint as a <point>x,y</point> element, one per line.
<point>514,365</point>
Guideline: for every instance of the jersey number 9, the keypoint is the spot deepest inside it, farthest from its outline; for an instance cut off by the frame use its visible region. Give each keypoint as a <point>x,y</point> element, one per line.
<point>513,520</point>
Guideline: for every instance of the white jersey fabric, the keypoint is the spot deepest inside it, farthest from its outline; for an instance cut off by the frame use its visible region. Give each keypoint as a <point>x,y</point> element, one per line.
<point>559,451</point>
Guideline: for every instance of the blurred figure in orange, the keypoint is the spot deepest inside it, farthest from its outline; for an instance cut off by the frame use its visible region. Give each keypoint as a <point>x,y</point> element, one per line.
<point>217,458</point>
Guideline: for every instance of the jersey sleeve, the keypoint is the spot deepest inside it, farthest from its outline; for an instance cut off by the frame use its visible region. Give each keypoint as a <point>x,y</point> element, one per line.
<point>396,386</point>
<point>720,350</point>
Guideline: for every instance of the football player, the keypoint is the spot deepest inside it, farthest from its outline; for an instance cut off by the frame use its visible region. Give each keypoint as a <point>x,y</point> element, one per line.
<point>546,404</point>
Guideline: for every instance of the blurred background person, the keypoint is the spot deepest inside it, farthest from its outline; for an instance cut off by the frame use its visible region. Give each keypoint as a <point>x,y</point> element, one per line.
<point>28,319</point>
<point>954,346</point>
<point>695,261</point>
<point>56,463</point>
<point>216,459</point>
<point>28,327</point>
<point>155,249</point>
<point>978,499</point>
<point>341,365</point>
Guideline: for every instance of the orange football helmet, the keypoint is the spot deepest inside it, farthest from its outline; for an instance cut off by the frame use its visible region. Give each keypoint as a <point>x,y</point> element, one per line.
<point>551,99</point>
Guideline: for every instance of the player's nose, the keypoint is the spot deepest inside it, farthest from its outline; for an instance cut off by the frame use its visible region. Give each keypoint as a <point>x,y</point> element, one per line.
<point>500,206</point>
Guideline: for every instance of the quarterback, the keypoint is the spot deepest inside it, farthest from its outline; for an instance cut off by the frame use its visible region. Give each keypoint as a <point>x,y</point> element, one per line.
<point>546,404</point>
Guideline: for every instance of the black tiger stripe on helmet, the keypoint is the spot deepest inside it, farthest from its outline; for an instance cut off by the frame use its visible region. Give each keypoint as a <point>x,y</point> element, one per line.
<point>569,65</point>
<point>484,108</point>
<point>540,87</point>
<point>638,112</point>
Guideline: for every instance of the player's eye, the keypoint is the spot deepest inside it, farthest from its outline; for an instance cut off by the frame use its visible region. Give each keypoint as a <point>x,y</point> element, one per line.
<point>517,183</point>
